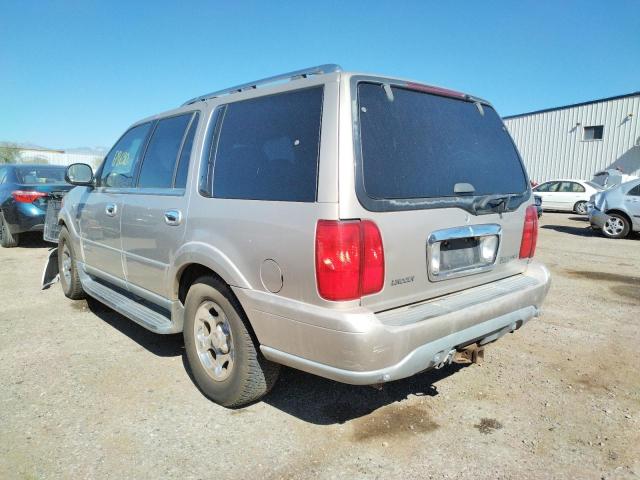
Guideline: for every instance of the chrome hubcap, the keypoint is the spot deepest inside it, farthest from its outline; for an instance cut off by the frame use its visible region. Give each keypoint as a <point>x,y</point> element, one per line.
<point>614,226</point>
<point>581,208</point>
<point>66,264</point>
<point>214,344</point>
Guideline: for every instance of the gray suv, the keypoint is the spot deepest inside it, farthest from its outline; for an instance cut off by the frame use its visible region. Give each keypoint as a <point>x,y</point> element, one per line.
<point>358,227</point>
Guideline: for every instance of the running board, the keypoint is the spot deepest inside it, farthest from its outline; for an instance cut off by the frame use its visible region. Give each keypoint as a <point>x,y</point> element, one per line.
<point>129,307</point>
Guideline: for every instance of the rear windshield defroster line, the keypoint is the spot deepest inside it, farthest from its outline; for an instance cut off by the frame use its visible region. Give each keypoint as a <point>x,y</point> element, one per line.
<point>415,146</point>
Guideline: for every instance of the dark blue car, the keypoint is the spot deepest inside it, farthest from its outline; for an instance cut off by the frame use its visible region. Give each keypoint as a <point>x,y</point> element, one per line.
<point>24,193</point>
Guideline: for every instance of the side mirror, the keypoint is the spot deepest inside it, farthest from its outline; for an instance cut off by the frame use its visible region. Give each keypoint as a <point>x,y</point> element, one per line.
<point>79,174</point>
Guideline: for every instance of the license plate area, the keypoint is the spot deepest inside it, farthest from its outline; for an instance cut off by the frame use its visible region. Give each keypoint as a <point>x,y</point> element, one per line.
<point>461,251</point>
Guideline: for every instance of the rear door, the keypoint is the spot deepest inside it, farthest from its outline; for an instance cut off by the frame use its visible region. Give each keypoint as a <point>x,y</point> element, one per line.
<point>100,210</point>
<point>442,180</point>
<point>154,213</point>
<point>569,194</point>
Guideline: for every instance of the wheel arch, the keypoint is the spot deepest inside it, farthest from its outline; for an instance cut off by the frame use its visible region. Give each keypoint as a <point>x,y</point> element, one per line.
<point>578,202</point>
<point>187,276</point>
<point>622,213</point>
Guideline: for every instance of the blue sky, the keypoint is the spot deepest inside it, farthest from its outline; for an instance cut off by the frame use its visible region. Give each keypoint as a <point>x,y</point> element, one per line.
<point>77,73</point>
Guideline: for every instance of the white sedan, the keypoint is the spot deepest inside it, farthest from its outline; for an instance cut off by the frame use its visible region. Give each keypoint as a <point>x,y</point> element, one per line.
<point>567,195</point>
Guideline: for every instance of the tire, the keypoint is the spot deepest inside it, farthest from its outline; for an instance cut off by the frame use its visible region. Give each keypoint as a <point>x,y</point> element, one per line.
<point>7,239</point>
<point>223,356</point>
<point>616,226</point>
<point>580,208</point>
<point>68,268</point>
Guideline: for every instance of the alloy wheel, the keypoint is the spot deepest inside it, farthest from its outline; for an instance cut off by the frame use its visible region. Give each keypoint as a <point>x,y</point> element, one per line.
<point>214,342</point>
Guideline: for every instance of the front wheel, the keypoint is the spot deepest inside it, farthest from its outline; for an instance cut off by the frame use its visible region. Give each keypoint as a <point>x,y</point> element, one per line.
<point>616,226</point>
<point>223,357</point>
<point>580,208</point>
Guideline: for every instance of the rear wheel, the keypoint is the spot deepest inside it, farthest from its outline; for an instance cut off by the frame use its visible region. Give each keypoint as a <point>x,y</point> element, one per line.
<point>616,226</point>
<point>580,208</point>
<point>68,268</point>
<point>224,359</point>
<point>7,239</point>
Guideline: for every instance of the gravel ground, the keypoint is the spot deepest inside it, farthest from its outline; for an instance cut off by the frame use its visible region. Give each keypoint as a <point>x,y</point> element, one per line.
<point>85,393</point>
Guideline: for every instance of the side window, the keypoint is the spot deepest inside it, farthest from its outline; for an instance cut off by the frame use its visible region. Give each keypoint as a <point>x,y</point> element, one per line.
<point>267,148</point>
<point>185,155</point>
<point>635,191</point>
<point>120,165</point>
<point>3,175</point>
<point>160,159</point>
<point>542,188</point>
<point>570,187</point>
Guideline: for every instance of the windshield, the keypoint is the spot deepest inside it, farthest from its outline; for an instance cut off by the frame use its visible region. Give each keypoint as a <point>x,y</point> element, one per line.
<point>419,145</point>
<point>34,174</point>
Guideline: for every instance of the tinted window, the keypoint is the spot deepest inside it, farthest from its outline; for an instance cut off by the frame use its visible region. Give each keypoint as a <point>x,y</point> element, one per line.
<point>268,148</point>
<point>418,145</point>
<point>543,188</point>
<point>121,162</point>
<point>185,155</point>
<point>635,191</point>
<point>40,174</point>
<point>3,175</point>
<point>160,159</point>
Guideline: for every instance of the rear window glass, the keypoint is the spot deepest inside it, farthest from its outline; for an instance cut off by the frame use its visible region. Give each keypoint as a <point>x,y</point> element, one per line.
<point>40,174</point>
<point>267,148</point>
<point>419,145</point>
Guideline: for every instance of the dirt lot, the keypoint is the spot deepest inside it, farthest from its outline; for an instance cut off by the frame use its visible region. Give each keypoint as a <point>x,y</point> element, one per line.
<point>85,393</point>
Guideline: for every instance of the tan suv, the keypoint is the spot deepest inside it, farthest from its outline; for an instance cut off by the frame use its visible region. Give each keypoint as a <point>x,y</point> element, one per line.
<point>358,227</point>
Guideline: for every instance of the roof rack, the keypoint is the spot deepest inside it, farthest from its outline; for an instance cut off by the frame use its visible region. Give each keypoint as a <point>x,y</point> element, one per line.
<point>304,73</point>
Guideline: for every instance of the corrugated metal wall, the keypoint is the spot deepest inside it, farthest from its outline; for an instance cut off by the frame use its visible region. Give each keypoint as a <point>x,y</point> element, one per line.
<point>552,143</point>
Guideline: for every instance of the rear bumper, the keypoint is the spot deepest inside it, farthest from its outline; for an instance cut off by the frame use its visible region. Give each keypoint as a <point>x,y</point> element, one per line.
<point>360,347</point>
<point>597,218</point>
<point>24,218</point>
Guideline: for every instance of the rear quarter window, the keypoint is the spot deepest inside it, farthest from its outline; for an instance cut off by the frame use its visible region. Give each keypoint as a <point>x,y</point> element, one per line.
<point>267,148</point>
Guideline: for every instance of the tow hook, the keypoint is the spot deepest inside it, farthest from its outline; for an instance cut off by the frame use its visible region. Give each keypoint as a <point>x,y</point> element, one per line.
<point>470,354</point>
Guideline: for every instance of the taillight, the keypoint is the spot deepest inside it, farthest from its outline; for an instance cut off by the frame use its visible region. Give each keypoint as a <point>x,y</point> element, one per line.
<point>349,259</point>
<point>25,196</point>
<point>529,233</point>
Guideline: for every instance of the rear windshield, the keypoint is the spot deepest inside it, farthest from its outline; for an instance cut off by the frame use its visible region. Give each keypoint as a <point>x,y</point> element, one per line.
<point>419,145</point>
<point>40,174</point>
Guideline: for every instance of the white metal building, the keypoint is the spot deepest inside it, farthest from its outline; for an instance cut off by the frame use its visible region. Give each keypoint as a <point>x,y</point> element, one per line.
<point>576,141</point>
<point>57,157</point>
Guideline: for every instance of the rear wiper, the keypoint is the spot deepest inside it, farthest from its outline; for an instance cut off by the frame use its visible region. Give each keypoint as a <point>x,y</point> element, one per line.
<point>496,203</point>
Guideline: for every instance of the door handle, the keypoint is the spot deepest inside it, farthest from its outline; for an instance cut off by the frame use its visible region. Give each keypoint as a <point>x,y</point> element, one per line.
<point>111,209</point>
<point>173,217</point>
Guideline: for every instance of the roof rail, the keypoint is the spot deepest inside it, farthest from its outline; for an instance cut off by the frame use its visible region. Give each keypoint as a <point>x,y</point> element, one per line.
<point>304,73</point>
